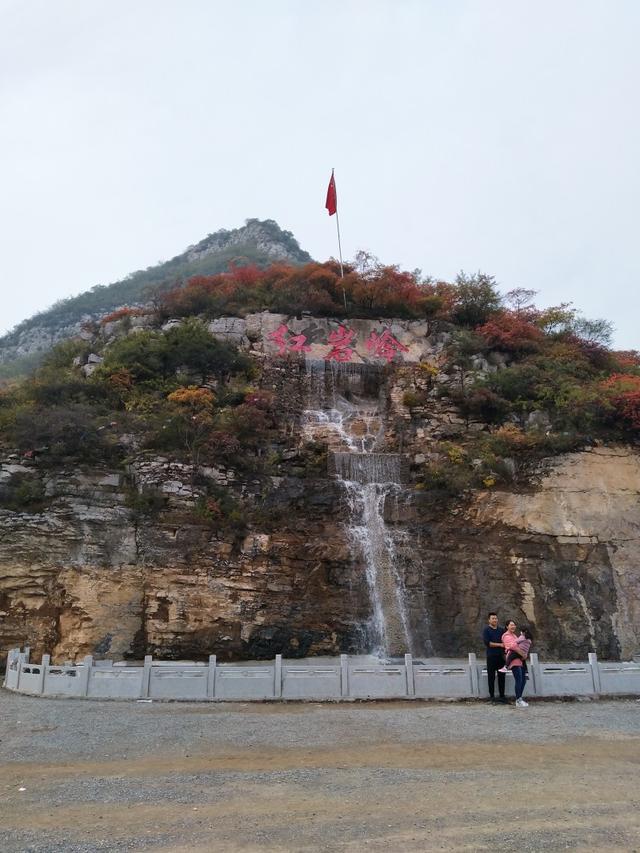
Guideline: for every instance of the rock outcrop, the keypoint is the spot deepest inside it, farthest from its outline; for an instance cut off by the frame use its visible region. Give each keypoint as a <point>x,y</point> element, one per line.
<point>85,576</point>
<point>258,241</point>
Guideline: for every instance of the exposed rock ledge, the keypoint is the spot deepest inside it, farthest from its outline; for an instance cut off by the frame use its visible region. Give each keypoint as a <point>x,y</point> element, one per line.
<point>586,499</point>
<point>85,577</point>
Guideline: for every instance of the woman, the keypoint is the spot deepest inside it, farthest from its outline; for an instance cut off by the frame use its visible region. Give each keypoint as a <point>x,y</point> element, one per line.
<point>510,641</point>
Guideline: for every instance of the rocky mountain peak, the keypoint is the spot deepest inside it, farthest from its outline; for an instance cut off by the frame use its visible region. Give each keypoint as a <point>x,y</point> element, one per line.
<point>259,242</point>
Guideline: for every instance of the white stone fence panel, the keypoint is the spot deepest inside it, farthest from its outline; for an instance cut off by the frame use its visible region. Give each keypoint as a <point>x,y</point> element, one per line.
<point>342,678</point>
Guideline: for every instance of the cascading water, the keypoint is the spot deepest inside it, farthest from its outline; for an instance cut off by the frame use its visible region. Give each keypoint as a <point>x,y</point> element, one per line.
<point>348,420</point>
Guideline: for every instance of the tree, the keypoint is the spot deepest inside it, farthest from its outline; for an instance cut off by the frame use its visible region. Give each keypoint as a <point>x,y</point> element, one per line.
<point>596,331</point>
<point>193,408</point>
<point>520,300</point>
<point>191,345</point>
<point>476,299</point>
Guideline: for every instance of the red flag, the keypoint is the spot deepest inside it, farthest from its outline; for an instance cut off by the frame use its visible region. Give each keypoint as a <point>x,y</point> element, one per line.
<point>332,197</point>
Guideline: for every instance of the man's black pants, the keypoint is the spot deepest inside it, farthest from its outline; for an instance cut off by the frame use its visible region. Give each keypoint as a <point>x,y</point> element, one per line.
<point>493,665</point>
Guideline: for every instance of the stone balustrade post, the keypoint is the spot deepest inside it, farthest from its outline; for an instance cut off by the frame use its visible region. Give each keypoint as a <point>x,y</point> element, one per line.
<point>344,675</point>
<point>11,656</point>
<point>408,666</point>
<point>211,677</point>
<point>595,673</point>
<point>87,663</point>
<point>146,677</point>
<point>474,682</point>
<point>277,677</point>
<point>44,663</point>
<point>21,663</point>
<point>536,674</point>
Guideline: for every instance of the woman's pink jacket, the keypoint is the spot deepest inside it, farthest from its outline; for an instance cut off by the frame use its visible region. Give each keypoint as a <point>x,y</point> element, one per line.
<point>511,645</point>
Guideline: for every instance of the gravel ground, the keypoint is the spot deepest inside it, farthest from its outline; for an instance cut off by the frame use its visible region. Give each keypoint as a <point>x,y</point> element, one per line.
<point>392,776</point>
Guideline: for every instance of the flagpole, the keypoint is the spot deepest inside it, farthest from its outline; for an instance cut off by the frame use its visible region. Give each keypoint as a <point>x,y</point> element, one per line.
<point>339,245</point>
<point>344,295</point>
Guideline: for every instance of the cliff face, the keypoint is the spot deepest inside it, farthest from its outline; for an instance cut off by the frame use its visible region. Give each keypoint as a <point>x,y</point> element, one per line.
<point>84,577</point>
<point>92,573</point>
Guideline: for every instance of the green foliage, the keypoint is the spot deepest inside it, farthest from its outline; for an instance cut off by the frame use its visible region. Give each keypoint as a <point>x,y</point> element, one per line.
<point>19,368</point>
<point>509,441</point>
<point>559,380</point>
<point>149,356</point>
<point>59,360</point>
<point>446,480</point>
<point>460,352</point>
<point>476,299</point>
<point>414,399</point>
<point>24,492</point>
<point>482,404</point>
<point>220,510</point>
<point>147,502</point>
<point>59,433</point>
<point>314,459</point>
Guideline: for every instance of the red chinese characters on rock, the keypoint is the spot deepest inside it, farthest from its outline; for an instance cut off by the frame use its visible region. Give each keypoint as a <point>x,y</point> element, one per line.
<point>287,342</point>
<point>340,340</point>
<point>385,345</point>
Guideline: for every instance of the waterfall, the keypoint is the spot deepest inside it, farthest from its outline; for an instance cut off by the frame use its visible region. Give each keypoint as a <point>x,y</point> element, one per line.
<point>367,467</point>
<point>345,415</point>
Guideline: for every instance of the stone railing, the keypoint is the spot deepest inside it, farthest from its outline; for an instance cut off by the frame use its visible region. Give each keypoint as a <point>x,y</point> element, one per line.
<point>340,678</point>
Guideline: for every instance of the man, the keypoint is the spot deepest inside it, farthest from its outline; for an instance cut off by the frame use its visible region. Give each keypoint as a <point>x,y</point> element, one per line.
<point>492,638</point>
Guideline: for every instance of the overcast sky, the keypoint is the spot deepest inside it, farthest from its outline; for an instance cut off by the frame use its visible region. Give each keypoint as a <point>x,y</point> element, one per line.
<point>469,134</point>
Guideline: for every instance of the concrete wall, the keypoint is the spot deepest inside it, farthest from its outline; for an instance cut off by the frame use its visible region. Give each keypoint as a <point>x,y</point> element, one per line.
<point>342,679</point>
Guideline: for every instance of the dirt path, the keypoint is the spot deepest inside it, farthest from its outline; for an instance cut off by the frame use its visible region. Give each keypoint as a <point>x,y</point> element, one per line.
<point>387,776</point>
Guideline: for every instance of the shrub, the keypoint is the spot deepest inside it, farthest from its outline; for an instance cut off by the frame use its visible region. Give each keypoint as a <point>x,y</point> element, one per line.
<point>59,361</point>
<point>414,399</point>
<point>623,392</point>
<point>446,480</point>
<point>626,360</point>
<point>64,432</point>
<point>219,509</point>
<point>370,289</point>
<point>510,332</point>
<point>147,502</point>
<point>482,404</point>
<point>460,353</point>
<point>23,492</point>
<point>148,356</point>
<point>224,445</point>
<point>124,313</point>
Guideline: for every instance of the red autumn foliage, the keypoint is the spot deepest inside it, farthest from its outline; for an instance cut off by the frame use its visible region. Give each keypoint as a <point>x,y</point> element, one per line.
<point>627,359</point>
<point>511,332</point>
<point>224,444</point>
<point>120,314</point>
<point>247,276</point>
<point>121,380</point>
<point>623,392</point>
<point>317,288</point>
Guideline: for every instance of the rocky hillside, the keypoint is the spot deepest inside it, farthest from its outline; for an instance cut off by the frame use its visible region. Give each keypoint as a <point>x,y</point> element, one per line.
<point>373,470</point>
<point>257,242</point>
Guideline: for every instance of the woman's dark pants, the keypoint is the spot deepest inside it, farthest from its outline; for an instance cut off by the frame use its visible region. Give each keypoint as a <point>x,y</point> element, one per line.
<point>518,677</point>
